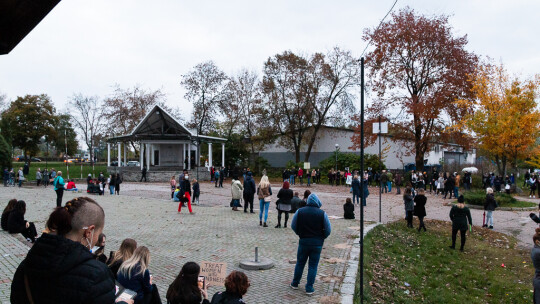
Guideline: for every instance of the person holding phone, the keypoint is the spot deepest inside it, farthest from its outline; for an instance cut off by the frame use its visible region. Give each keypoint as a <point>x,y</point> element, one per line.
<point>188,287</point>
<point>134,275</point>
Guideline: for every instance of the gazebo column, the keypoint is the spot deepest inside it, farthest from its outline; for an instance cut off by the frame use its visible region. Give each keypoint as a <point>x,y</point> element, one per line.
<point>141,155</point>
<point>152,162</point>
<point>223,155</point>
<point>189,157</point>
<point>119,154</point>
<point>148,157</point>
<point>125,155</point>
<point>108,154</point>
<point>210,154</point>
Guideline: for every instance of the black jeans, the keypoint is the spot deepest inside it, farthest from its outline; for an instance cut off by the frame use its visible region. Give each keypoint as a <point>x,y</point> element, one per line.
<point>221,182</point>
<point>30,232</point>
<point>248,200</point>
<point>463,237</point>
<point>409,218</point>
<point>59,194</point>
<point>421,219</point>
<point>279,217</point>
<point>143,176</point>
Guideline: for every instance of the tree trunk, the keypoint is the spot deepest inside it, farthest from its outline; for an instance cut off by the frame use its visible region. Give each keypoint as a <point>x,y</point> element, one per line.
<point>419,160</point>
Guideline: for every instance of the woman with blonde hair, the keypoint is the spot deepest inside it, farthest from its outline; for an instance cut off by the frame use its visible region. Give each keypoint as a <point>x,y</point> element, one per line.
<point>125,252</point>
<point>173,186</point>
<point>134,275</point>
<point>264,192</point>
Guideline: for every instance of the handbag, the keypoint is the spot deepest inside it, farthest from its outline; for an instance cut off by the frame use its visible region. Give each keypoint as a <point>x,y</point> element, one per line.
<point>267,199</point>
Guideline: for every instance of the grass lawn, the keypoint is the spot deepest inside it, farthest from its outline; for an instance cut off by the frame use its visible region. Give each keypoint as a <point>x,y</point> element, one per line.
<point>74,169</point>
<point>404,266</point>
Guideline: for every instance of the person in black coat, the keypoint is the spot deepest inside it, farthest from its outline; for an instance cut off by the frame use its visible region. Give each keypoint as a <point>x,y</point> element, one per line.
<point>535,256</point>
<point>348,209</point>
<point>196,192</point>
<point>249,192</point>
<point>117,183</point>
<point>59,268</point>
<point>5,214</point>
<point>449,186</point>
<point>420,208</point>
<point>460,215</point>
<point>185,289</point>
<point>17,224</point>
<point>285,196</point>
<point>490,205</point>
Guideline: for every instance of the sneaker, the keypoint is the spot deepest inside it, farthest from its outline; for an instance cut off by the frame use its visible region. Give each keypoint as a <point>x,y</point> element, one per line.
<point>309,292</point>
<point>293,287</point>
<point>264,225</point>
<point>490,227</point>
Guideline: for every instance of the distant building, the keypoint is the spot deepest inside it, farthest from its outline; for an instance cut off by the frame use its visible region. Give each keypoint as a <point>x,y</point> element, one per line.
<point>395,153</point>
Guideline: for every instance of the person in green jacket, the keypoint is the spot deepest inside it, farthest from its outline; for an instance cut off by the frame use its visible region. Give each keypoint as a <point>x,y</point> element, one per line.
<point>59,184</point>
<point>459,214</point>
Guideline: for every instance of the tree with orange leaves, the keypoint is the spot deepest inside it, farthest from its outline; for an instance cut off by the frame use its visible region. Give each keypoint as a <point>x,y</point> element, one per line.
<point>418,70</point>
<point>504,116</point>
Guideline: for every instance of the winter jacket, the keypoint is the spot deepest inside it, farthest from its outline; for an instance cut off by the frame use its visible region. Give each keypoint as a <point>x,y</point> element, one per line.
<point>490,204</point>
<point>355,186</point>
<point>38,175</point>
<point>249,186</point>
<point>311,223</point>
<point>224,297</point>
<point>264,192</point>
<point>185,187</point>
<point>16,222</point>
<point>348,210</point>
<point>285,196</point>
<point>62,271</point>
<point>459,217</point>
<point>295,204</point>
<point>5,217</point>
<point>409,203</point>
<point>236,189</point>
<point>58,183</point>
<point>196,189</point>
<point>449,184</point>
<point>384,178</point>
<point>535,256</point>
<point>420,207</point>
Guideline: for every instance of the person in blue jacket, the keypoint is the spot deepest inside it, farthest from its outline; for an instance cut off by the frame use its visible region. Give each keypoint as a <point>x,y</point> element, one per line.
<point>59,185</point>
<point>311,224</point>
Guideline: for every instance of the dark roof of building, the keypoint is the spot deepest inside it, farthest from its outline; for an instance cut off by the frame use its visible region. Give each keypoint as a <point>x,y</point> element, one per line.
<point>18,18</point>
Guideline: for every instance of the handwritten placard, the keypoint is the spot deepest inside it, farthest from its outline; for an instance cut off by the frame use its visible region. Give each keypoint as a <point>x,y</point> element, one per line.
<point>215,273</point>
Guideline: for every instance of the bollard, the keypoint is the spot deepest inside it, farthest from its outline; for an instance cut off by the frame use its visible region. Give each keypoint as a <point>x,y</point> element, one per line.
<point>257,254</point>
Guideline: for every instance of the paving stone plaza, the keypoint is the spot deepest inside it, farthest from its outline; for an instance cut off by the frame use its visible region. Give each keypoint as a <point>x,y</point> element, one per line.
<point>214,233</point>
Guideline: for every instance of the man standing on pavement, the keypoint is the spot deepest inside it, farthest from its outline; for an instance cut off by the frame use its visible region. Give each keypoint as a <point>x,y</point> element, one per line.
<point>384,181</point>
<point>143,174</point>
<point>311,224</point>
<point>249,192</point>
<point>221,176</point>
<point>398,183</point>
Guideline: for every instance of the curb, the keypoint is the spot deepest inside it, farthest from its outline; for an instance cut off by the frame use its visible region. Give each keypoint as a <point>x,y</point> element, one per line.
<point>349,282</point>
<point>499,208</point>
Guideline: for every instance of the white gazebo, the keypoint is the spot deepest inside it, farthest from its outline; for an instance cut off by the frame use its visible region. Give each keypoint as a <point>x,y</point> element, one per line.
<point>166,147</point>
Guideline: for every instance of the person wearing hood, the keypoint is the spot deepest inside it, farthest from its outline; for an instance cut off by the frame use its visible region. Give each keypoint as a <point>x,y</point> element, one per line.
<point>311,224</point>
<point>459,215</point>
<point>249,192</point>
<point>48,271</point>
<point>489,205</point>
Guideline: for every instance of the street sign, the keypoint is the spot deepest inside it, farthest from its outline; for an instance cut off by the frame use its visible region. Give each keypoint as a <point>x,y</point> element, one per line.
<point>384,127</point>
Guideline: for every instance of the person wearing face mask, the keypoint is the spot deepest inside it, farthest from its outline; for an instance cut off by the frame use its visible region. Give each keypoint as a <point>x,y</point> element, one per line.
<point>185,194</point>
<point>60,268</point>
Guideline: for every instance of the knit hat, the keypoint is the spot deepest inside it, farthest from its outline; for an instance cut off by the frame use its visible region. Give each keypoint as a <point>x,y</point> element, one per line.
<point>461,199</point>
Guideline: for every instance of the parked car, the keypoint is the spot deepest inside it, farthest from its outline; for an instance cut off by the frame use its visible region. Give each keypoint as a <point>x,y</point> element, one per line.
<point>35,159</point>
<point>20,158</point>
<point>115,164</point>
<point>133,163</point>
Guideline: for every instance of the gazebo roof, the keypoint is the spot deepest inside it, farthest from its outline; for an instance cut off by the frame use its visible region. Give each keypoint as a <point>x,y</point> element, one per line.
<point>160,125</point>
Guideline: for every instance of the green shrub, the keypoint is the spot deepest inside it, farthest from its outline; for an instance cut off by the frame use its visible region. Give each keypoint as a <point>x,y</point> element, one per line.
<point>478,197</point>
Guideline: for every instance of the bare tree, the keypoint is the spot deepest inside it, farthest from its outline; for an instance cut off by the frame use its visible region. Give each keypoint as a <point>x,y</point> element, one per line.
<point>127,107</point>
<point>87,116</point>
<point>205,86</point>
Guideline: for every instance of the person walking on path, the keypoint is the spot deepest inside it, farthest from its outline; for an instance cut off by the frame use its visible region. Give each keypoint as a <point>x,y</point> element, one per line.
<point>249,192</point>
<point>409,206</point>
<point>489,206</point>
<point>221,177</point>
<point>355,189</point>
<point>196,191</point>
<point>285,196</point>
<point>461,218</point>
<point>59,185</point>
<point>185,194</point>
<point>264,193</point>
<point>311,224</point>
<point>117,183</point>
<point>420,208</point>
<point>236,191</point>
<point>143,174</point>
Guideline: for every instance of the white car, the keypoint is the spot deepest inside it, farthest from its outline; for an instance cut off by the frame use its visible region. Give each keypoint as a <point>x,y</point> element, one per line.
<point>133,163</point>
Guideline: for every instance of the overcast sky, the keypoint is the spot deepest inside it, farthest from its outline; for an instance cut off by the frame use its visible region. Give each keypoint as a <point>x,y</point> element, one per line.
<point>88,46</point>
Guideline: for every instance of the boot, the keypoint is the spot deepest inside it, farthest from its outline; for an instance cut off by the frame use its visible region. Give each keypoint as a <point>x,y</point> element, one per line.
<point>278,226</point>
<point>260,223</point>
<point>264,225</point>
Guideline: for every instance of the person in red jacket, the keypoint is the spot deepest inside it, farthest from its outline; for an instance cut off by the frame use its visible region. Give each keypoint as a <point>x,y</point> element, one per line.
<point>301,175</point>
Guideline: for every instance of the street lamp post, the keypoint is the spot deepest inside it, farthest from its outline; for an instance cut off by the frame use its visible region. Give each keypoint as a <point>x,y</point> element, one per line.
<point>337,148</point>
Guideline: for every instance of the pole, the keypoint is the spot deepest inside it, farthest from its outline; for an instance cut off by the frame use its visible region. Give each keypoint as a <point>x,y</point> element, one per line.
<point>198,162</point>
<point>67,160</point>
<point>380,179</point>
<point>47,162</point>
<point>362,198</point>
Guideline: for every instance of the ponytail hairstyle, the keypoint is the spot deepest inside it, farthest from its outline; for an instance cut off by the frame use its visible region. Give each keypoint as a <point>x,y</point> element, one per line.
<point>10,206</point>
<point>76,214</point>
<point>536,237</point>
<point>185,286</point>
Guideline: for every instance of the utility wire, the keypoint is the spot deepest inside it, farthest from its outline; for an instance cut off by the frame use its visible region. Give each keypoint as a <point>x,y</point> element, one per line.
<point>380,23</point>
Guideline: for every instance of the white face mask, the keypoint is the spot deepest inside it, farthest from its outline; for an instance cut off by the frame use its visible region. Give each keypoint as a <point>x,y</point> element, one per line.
<point>186,177</point>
